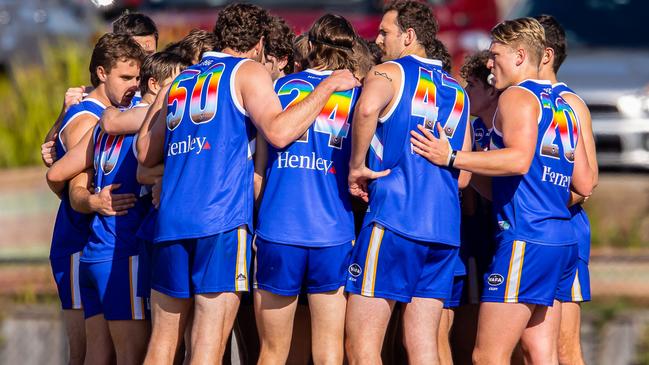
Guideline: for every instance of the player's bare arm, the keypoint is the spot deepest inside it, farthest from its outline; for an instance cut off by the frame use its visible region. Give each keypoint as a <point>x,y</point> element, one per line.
<point>261,161</point>
<point>149,175</point>
<point>72,163</point>
<point>380,87</point>
<point>117,122</point>
<point>105,202</point>
<point>280,128</point>
<point>73,95</point>
<point>150,138</point>
<point>517,117</point>
<point>582,174</point>
<point>586,135</point>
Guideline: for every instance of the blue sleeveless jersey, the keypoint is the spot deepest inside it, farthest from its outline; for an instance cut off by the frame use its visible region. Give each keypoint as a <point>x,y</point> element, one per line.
<point>533,207</point>
<point>306,200</point>
<point>115,162</point>
<point>579,217</point>
<point>481,135</point>
<point>208,178</point>
<point>72,228</point>
<point>418,199</point>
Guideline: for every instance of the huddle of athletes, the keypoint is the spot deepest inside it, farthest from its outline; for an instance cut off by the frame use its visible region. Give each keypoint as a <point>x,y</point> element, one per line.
<point>236,161</point>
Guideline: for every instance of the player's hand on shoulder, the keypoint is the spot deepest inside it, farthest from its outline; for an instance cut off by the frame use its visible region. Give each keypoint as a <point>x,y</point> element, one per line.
<point>114,204</point>
<point>435,150</point>
<point>73,96</point>
<point>342,80</point>
<point>48,153</point>
<point>360,177</point>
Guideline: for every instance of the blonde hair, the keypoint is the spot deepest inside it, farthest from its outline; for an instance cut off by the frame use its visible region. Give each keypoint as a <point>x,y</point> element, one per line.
<point>522,31</point>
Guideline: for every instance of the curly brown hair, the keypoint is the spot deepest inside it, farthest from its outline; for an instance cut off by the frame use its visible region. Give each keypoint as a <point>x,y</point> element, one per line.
<point>240,27</point>
<point>301,51</point>
<point>440,52</point>
<point>278,42</point>
<point>418,17</point>
<point>197,42</point>
<point>555,38</point>
<point>332,39</point>
<point>110,49</point>
<point>475,65</point>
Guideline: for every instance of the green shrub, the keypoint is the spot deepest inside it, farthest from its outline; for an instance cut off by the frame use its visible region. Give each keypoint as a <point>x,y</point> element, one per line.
<point>32,96</point>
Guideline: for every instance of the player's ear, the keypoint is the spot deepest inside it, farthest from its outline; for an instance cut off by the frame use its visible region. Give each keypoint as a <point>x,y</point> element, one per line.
<point>102,74</point>
<point>521,54</point>
<point>409,36</point>
<point>153,85</point>
<point>282,62</point>
<point>548,56</point>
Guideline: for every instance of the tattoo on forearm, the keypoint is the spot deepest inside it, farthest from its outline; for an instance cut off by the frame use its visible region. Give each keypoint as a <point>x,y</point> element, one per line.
<point>382,74</point>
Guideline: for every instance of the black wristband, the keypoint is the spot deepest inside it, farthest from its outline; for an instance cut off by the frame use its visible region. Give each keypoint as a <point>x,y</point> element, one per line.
<point>452,160</point>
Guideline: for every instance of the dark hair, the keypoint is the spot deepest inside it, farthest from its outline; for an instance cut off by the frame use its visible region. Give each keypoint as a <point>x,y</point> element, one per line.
<point>135,24</point>
<point>194,44</point>
<point>376,52</point>
<point>439,52</point>
<point>240,26</point>
<point>332,39</point>
<point>475,65</point>
<point>110,49</point>
<point>301,51</point>
<point>555,38</point>
<point>278,42</point>
<point>419,17</point>
<point>160,66</point>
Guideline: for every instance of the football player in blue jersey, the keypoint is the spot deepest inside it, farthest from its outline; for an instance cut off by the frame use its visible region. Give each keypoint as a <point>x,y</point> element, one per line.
<point>204,134</point>
<point>305,225</point>
<point>536,160</point>
<point>114,70</point>
<point>408,246</point>
<point>572,291</point>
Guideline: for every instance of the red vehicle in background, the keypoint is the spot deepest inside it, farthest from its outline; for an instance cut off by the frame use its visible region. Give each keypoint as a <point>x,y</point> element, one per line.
<point>464,24</point>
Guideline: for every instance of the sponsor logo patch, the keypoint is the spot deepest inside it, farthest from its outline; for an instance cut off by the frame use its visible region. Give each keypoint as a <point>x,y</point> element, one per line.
<point>495,279</point>
<point>355,270</point>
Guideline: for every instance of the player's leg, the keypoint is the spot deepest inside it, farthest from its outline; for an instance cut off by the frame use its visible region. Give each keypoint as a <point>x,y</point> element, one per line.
<point>275,315</point>
<point>279,273</point>
<point>76,332</point>
<point>219,275</point>
<point>66,275</point>
<point>325,278</point>
<point>365,324</point>
<point>99,348</point>
<point>130,338</point>
<point>300,352</point>
<point>214,315</point>
<point>170,299</point>
<point>500,326</point>
<point>443,340</point>
<point>539,339</point>
<point>422,315</point>
<point>569,334</point>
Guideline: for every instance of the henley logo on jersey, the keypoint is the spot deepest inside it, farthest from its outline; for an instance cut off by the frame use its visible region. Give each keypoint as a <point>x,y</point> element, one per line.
<point>355,270</point>
<point>555,178</point>
<point>286,160</point>
<point>495,279</point>
<point>189,145</point>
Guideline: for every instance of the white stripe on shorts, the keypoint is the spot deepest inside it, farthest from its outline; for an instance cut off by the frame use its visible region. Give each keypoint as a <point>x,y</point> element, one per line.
<point>577,296</point>
<point>515,270</point>
<point>137,304</point>
<point>241,273</point>
<point>74,280</point>
<point>371,261</point>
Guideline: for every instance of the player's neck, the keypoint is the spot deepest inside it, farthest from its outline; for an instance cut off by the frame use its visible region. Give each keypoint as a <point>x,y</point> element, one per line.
<point>99,93</point>
<point>488,115</point>
<point>414,49</point>
<point>148,98</point>
<point>232,52</point>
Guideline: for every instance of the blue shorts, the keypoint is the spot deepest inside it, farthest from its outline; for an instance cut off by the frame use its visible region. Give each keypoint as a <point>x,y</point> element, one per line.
<point>110,287</point>
<point>457,292</point>
<point>144,275</point>
<point>387,265</point>
<point>287,269</point>
<point>524,272</point>
<point>576,288</point>
<point>213,264</point>
<point>66,275</point>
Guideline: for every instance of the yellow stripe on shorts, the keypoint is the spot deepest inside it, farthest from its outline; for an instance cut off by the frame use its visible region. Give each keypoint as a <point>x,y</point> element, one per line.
<point>372,260</point>
<point>577,296</point>
<point>241,274</point>
<point>514,273</point>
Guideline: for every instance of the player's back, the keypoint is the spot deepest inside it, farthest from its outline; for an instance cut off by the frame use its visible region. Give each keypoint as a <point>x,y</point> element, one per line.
<point>417,199</point>
<point>208,179</point>
<point>306,200</point>
<point>115,162</point>
<point>72,228</point>
<point>533,207</point>
<point>579,217</point>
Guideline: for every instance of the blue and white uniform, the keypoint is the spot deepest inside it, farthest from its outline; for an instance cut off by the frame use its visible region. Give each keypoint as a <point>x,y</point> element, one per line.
<point>71,229</point>
<point>202,240</point>
<point>536,245</point>
<point>110,261</point>
<point>306,226</point>
<point>411,233</point>
<point>577,290</point>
